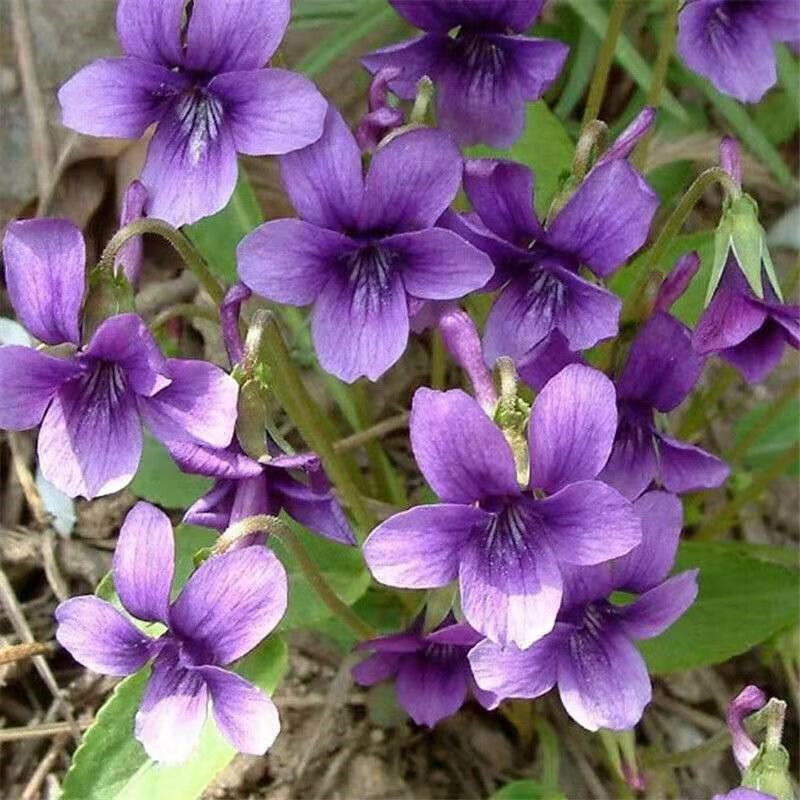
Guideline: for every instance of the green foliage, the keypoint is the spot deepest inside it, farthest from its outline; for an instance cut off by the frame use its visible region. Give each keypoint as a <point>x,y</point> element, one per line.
<point>781,430</point>
<point>111,765</point>
<point>216,237</point>
<point>527,789</point>
<point>159,480</point>
<point>341,566</point>
<point>743,601</point>
<point>545,147</point>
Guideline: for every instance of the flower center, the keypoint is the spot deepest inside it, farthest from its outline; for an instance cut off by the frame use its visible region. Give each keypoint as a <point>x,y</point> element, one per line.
<point>103,385</point>
<point>369,271</point>
<point>200,117</point>
<point>482,57</point>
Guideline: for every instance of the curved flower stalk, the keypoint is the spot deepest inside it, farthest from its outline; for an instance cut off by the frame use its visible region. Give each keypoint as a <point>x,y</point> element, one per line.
<point>364,246</point>
<point>484,74</point>
<point>507,545</point>
<point>661,370</point>
<point>431,673</point>
<point>602,679</point>
<point>200,79</point>
<point>245,488</point>
<point>732,43</point>
<point>92,398</point>
<point>746,321</point>
<point>545,310</point>
<point>229,605</point>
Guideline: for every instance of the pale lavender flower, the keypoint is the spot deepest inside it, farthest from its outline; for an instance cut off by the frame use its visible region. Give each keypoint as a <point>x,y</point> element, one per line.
<point>590,654</point>
<point>365,246</point>
<point>506,545</point>
<point>130,257</point>
<point>484,74</point>
<point>750,699</point>
<point>431,673</point>
<point>732,42</point>
<point>198,75</point>
<point>227,607</point>
<point>92,398</point>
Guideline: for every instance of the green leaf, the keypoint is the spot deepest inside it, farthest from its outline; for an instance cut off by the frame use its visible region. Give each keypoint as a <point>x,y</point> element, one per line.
<point>776,116</point>
<point>341,566</point>
<point>545,147</point>
<point>742,601</point>
<point>782,431</point>
<point>626,54</point>
<point>159,480</point>
<point>110,764</point>
<point>744,127</point>
<point>527,790</point>
<point>216,237</point>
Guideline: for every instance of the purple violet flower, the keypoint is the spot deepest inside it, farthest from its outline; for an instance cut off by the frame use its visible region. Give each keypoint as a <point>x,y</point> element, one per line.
<point>365,245</point>
<point>229,605</point>
<point>92,399</point>
<point>601,676</point>
<point>750,699</point>
<point>431,672</point>
<point>201,80</point>
<point>732,42</point>
<point>545,308</point>
<point>381,118</point>
<point>130,257</point>
<point>484,74</point>
<point>747,332</point>
<point>246,488</point>
<point>744,793</point>
<point>661,370</point>
<point>506,545</point>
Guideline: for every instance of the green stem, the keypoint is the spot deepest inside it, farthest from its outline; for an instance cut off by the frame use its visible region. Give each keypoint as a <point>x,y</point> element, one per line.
<point>376,431</point>
<point>665,49</point>
<point>605,56</point>
<point>695,418</point>
<point>721,520</point>
<point>193,260</point>
<point>672,227</point>
<point>305,413</point>
<point>438,362</point>
<point>183,311</point>
<point>765,419</point>
<point>592,139</point>
<point>273,526</point>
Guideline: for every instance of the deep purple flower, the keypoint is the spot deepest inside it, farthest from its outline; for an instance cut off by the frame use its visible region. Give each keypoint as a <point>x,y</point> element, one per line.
<point>732,42</point>
<point>245,488</point>
<point>545,307</point>
<point>431,672</point>
<point>382,117</point>
<point>229,605</point>
<point>201,80</point>
<point>92,399</point>
<point>505,544</point>
<point>484,74</point>
<point>364,245</point>
<point>747,332</point>
<point>601,676</point>
<point>661,370</point>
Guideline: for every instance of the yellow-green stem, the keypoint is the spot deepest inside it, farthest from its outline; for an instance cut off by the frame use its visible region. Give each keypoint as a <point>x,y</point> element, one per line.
<point>306,414</point>
<point>193,260</point>
<point>605,57</point>
<point>183,311</point>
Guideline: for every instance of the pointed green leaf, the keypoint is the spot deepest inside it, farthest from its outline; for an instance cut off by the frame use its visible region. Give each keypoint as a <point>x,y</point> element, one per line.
<point>747,237</point>
<point>722,247</point>
<point>769,267</point>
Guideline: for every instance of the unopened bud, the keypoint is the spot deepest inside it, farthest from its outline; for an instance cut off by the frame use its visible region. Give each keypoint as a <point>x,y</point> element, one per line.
<point>109,294</point>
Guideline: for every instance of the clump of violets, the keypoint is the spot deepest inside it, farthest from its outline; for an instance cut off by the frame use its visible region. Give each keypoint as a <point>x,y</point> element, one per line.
<point>484,73</point>
<point>746,321</point>
<point>732,43</point>
<point>431,674</point>
<point>506,541</point>
<point>245,488</point>
<point>662,368</point>
<point>227,607</point>
<point>544,304</point>
<point>92,397</point>
<point>198,74</point>
<point>365,245</point>
<point>590,653</point>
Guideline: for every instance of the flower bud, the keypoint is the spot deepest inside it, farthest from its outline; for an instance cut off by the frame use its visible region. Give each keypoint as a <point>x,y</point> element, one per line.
<point>109,294</point>
<point>750,699</point>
